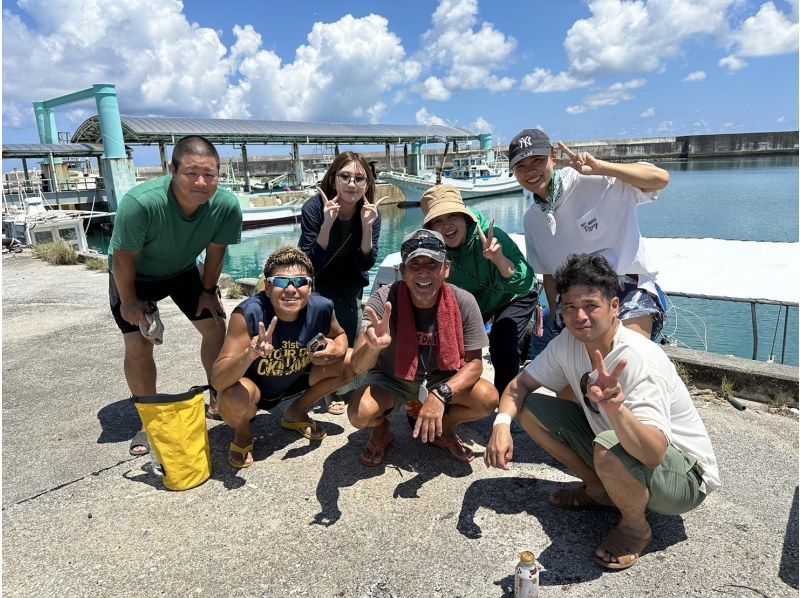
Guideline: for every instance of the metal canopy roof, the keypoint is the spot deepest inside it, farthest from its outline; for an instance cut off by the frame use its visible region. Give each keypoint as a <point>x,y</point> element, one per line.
<point>58,150</point>
<point>153,129</point>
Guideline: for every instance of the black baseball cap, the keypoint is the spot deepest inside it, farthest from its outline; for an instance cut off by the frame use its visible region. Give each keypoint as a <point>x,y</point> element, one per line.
<point>528,142</point>
<point>423,242</point>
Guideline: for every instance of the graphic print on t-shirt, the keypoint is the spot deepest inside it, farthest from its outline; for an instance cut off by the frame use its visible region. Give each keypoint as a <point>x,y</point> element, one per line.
<point>291,357</point>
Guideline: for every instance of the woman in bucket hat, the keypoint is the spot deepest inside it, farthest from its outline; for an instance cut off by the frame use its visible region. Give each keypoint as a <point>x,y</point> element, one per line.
<point>486,262</point>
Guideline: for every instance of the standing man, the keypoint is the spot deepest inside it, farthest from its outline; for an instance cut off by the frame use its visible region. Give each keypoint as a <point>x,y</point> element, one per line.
<point>160,229</point>
<point>590,207</point>
<point>422,341</point>
<point>634,436</point>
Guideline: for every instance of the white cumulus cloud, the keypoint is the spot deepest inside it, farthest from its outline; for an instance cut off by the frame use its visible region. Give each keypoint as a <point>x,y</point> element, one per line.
<point>695,76</point>
<point>481,125</point>
<point>767,33</point>
<point>423,117</point>
<point>433,89</point>
<point>544,81</point>
<point>464,54</point>
<point>732,63</point>
<point>651,111</point>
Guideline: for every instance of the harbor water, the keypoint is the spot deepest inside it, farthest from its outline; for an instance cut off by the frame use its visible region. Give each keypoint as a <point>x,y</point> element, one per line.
<point>753,199</point>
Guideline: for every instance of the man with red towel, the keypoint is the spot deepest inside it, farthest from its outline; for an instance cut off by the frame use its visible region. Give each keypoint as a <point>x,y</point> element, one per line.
<point>421,340</point>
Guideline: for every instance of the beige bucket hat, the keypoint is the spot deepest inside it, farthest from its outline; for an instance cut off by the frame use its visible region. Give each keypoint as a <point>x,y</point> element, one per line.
<point>443,199</point>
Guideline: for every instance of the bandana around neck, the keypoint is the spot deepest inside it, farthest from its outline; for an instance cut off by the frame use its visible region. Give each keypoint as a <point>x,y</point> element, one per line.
<point>553,198</point>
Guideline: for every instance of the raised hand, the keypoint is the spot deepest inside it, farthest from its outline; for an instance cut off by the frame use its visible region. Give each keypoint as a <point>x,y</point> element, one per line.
<point>330,208</point>
<point>261,345</point>
<point>607,391</point>
<point>583,162</point>
<point>492,250</point>
<point>369,212</point>
<point>377,334</point>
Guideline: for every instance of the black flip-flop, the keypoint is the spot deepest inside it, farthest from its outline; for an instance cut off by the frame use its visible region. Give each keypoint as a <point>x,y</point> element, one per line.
<point>140,439</point>
<point>215,416</point>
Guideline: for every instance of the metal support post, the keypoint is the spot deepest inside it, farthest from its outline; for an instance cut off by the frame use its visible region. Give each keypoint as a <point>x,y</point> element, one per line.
<point>162,154</point>
<point>246,168</point>
<point>755,329</point>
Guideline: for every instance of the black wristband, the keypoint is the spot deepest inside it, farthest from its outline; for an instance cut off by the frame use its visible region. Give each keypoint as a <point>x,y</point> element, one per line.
<point>211,291</point>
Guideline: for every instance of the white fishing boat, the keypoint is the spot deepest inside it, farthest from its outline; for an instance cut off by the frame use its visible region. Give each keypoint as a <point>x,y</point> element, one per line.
<point>269,210</point>
<point>475,174</point>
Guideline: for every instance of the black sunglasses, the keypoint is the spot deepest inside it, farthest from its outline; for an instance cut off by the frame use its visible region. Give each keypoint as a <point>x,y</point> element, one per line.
<point>283,282</point>
<point>431,243</point>
<point>585,392</point>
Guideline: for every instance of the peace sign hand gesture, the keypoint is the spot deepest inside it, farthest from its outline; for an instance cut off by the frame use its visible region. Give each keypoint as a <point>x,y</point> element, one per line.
<point>369,212</point>
<point>261,345</point>
<point>330,208</point>
<point>492,250</point>
<point>583,162</point>
<point>377,334</point>
<point>607,391</point>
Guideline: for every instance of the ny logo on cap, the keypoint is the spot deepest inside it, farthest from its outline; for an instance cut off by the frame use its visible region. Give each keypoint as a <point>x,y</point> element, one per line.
<point>525,141</point>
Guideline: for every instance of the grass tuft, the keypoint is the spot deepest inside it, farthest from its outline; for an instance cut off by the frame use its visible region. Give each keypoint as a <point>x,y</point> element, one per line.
<point>59,253</point>
<point>99,265</point>
<point>235,291</point>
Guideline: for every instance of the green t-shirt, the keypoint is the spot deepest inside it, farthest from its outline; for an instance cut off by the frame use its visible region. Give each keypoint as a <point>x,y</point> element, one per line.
<point>150,221</point>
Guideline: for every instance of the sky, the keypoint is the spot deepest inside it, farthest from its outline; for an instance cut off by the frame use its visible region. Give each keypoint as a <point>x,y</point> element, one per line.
<point>580,70</point>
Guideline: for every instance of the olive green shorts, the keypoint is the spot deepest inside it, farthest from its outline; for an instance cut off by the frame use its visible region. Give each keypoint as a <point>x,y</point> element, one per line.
<point>403,391</point>
<point>674,485</point>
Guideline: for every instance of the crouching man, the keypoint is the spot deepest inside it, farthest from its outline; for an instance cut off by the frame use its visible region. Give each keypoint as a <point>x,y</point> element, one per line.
<point>422,341</point>
<point>281,343</point>
<point>633,434</point>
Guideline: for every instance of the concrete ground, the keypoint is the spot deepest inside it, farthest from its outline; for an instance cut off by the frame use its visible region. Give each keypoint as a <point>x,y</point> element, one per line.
<point>81,517</point>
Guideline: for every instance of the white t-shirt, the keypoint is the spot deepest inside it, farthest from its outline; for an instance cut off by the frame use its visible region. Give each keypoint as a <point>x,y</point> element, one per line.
<point>594,214</point>
<point>654,392</point>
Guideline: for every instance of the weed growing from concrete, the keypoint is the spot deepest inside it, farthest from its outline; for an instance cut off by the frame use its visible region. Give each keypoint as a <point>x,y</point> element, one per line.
<point>683,373</point>
<point>235,291</point>
<point>96,264</point>
<point>726,388</point>
<point>59,253</point>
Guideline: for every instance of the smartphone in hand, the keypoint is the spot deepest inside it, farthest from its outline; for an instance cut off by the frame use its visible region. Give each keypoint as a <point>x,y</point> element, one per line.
<point>317,343</point>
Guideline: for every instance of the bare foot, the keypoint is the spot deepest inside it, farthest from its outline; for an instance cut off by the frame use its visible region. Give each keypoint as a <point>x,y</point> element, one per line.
<point>241,458</point>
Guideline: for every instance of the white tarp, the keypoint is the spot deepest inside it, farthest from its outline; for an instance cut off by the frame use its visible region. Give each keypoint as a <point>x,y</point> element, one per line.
<point>723,268</point>
<point>715,268</point>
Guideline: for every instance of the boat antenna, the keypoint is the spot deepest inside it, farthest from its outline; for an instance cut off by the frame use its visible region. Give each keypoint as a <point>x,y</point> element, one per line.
<point>441,166</point>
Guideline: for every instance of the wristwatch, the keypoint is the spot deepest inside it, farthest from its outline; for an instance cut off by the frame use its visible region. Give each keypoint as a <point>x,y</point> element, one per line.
<point>212,290</point>
<point>444,391</point>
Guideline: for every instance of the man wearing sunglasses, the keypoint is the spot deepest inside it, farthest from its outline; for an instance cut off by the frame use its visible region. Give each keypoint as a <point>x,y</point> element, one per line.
<point>422,340</point>
<point>160,228</point>
<point>633,436</point>
<point>282,343</point>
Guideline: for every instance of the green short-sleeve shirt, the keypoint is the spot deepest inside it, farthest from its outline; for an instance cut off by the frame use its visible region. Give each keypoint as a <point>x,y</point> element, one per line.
<point>150,221</point>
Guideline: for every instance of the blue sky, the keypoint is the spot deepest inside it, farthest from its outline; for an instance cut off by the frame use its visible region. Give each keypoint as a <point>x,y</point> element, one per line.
<point>581,70</point>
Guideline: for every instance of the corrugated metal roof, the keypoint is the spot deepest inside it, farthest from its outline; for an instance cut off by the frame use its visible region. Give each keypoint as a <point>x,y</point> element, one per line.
<point>42,150</point>
<point>152,129</point>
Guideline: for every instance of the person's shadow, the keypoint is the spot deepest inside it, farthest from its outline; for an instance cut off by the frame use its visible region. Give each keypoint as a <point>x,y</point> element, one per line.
<point>574,534</point>
<point>120,422</point>
<point>788,567</point>
<point>407,457</point>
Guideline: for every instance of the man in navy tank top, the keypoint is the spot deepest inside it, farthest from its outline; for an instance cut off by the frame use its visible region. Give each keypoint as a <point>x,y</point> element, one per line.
<point>281,343</point>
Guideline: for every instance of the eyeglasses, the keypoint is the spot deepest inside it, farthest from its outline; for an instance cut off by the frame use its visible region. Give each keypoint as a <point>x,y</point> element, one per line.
<point>585,392</point>
<point>283,282</point>
<point>345,178</point>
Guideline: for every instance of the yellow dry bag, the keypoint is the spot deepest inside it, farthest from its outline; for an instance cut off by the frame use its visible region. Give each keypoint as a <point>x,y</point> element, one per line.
<point>176,428</point>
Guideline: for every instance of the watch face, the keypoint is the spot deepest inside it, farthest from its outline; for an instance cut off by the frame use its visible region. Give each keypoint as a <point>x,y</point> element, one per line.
<point>445,391</point>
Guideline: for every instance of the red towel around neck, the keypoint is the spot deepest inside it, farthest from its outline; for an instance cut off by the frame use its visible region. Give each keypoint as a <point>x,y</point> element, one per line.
<point>450,347</point>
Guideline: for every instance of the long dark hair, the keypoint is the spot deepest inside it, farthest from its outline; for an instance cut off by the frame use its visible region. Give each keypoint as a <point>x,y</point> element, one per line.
<point>328,184</point>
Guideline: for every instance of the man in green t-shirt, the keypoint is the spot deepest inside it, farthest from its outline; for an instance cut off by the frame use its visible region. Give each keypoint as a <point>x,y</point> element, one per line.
<point>160,228</point>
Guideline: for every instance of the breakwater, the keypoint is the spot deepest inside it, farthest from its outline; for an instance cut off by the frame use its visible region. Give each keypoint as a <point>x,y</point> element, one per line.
<point>687,147</point>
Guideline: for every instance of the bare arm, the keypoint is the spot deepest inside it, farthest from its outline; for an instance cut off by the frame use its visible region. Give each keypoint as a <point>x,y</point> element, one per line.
<point>646,177</point>
<point>374,339</point>
<point>131,308</point>
<point>239,351</point>
<point>215,258</point>
<point>500,449</point>
<point>335,346</point>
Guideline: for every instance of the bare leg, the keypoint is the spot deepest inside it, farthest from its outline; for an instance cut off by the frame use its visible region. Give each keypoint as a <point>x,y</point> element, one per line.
<point>366,410</point>
<point>237,406</point>
<point>323,380</point>
<point>479,402</point>
<point>628,494</point>
<point>140,370</point>
<point>564,455</point>
<point>213,336</point>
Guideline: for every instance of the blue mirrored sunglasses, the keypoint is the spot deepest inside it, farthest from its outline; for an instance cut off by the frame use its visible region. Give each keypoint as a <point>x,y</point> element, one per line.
<point>283,282</point>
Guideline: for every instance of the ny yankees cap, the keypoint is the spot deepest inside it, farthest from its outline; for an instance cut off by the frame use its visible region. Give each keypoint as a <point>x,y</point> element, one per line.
<point>528,142</point>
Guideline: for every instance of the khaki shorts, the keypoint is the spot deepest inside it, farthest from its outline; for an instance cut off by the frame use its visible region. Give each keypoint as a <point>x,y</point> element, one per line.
<point>674,485</point>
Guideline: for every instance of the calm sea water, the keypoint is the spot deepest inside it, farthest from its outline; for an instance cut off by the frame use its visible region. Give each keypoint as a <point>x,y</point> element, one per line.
<point>752,199</point>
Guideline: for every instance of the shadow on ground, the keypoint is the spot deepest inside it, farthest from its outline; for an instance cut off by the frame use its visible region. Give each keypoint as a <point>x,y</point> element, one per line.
<point>574,534</point>
<point>788,568</point>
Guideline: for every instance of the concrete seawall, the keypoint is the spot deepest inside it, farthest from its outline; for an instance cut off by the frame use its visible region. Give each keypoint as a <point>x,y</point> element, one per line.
<point>692,146</point>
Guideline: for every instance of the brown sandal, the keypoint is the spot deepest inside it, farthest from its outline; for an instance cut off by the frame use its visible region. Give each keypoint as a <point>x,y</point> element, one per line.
<point>373,451</point>
<point>455,449</point>
<point>622,546</point>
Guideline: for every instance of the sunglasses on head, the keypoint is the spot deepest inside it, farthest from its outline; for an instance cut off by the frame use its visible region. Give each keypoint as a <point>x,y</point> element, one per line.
<point>283,282</point>
<point>431,243</point>
<point>585,392</point>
